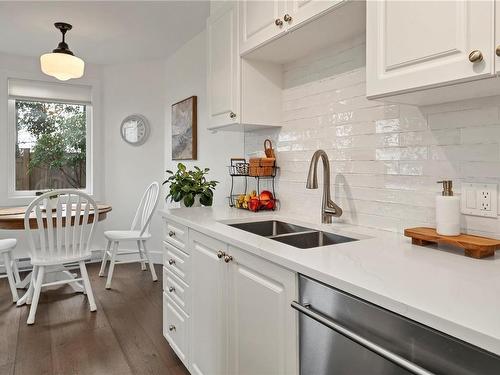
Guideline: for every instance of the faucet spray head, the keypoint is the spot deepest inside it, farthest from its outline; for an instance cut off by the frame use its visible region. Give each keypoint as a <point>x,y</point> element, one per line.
<point>312,177</point>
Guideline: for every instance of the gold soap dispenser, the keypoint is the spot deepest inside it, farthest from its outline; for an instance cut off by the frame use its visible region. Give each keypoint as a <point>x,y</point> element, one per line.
<point>447,211</point>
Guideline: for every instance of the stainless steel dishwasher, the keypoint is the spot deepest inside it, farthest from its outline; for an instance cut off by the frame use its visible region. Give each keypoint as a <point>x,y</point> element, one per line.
<point>344,335</point>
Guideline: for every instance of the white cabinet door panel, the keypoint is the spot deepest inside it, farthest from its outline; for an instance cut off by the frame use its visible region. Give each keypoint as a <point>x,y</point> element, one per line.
<point>304,10</point>
<point>412,44</point>
<point>257,22</point>
<point>223,67</point>
<point>175,328</point>
<point>263,331</point>
<point>208,313</point>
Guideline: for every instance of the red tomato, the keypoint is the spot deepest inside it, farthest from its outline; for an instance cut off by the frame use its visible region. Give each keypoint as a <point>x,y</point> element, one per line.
<point>254,204</point>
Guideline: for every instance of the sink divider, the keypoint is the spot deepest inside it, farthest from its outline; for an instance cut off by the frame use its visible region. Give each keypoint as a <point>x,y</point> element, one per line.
<point>291,234</point>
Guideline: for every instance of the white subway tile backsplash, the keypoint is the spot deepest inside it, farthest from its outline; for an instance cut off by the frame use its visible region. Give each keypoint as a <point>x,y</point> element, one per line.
<point>385,158</point>
<point>402,153</point>
<point>476,152</point>
<point>466,118</point>
<point>482,134</point>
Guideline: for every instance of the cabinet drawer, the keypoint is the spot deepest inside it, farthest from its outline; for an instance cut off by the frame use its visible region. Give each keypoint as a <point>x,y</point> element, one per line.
<point>177,262</point>
<point>175,328</point>
<point>177,290</point>
<point>175,234</point>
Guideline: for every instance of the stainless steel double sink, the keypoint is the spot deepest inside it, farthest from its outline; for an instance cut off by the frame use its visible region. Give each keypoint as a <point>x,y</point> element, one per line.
<point>291,234</point>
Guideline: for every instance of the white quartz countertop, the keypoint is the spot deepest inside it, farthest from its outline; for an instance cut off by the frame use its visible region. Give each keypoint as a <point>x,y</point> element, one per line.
<point>440,288</point>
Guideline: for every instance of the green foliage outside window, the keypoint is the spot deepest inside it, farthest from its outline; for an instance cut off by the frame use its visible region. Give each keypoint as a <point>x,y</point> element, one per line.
<point>57,133</point>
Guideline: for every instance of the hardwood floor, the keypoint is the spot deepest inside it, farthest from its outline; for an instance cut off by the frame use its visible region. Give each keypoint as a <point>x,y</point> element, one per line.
<point>123,337</point>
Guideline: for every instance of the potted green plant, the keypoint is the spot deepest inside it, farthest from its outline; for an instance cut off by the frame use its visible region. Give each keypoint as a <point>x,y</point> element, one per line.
<point>190,187</point>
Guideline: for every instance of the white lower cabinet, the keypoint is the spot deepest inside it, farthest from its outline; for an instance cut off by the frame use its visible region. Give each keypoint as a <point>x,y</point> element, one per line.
<point>240,320</point>
<point>262,325</point>
<point>208,313</point>
<point>175,328</point>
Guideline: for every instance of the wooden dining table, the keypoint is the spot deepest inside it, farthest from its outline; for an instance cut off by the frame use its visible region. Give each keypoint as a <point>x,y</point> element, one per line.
<point>12,218</point>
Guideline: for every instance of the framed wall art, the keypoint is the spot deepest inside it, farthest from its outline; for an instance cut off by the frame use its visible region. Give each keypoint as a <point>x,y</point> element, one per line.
<point>184,129</point>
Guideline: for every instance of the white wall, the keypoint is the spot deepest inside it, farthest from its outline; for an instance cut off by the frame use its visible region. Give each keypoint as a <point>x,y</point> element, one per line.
<point>385,159</point>
<point>186,76</point>
<point>128,170</point>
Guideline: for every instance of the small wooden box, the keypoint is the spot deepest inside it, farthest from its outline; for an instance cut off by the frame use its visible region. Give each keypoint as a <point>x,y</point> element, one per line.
<point>260,167</point>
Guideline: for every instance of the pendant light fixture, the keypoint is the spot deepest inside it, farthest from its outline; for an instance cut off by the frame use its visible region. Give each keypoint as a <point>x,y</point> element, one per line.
<point>61,63</point>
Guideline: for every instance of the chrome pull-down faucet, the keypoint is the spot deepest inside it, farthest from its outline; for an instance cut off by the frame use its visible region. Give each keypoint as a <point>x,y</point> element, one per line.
<point>328,207</point>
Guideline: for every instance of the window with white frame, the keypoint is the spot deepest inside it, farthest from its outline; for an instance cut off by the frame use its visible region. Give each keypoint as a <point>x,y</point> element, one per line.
<point>50,124</point>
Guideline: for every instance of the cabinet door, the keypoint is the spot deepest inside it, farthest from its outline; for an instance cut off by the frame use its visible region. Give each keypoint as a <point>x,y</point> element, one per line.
<point>263,327</point>
<point>223,68</point>
<point>258,22</point>
<point>414,44</point>
<point>497,39</point>
<point>304,10</point>
<point>208,315</point>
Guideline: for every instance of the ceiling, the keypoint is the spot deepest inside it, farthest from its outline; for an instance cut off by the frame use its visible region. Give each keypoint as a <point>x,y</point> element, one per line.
<point>108,32</point>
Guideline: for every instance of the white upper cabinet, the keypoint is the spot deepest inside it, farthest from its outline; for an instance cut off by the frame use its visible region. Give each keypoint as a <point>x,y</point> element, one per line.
<point>260,21</point>
<point>420,44</point>
<point>242,95</point>
<point>263,21</point>
<point>223,68</point>
<point>303,10</point>
<point>497,39</point>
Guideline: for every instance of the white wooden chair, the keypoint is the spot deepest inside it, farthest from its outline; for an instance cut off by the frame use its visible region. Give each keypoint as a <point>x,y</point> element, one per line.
<point>139,233</point>
<point>11,271</point>
<point>61,242</point>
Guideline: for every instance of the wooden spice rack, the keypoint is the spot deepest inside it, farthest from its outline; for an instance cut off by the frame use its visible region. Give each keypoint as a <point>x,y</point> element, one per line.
<point>473,246</point>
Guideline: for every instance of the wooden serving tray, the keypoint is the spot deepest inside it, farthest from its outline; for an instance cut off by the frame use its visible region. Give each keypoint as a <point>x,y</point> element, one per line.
<point>473,246</point>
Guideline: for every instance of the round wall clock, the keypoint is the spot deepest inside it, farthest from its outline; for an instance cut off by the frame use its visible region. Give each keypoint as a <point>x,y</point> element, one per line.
<point>135,130</point>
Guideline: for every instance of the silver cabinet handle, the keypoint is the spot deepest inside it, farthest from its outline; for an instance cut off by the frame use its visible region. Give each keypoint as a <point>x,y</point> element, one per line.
<point>171,289</point>
<point>475,56</point>
<point>278,22</point>
<point>287,18</point>
<point>330,323</point>
<point>220,254</point>
<point>228,258</point>
<point>171,261</point>
<point>171,233</point>
<point>171,327</point>
<point>232,114</point>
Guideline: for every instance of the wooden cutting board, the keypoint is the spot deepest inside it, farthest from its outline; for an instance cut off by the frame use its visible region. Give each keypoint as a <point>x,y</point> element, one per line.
<point>473,246</point>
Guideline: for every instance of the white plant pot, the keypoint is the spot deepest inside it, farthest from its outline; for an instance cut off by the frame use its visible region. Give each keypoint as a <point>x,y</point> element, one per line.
<point>195,204</point>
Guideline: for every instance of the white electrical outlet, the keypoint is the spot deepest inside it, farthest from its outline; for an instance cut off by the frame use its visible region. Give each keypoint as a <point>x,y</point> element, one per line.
<point>479,199</point>
<point>484,200</point>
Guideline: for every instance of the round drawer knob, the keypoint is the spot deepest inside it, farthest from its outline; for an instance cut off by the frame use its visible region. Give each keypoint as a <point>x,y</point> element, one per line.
<point>171,289</point>
<point>278,22</point>
<point>171,261</point>
<point>228,258</point>
<point>171,327</point>
<point>475,56</point>
<point>220,254</point>
<point>232,114</point>
<point>287,18</point>
<point>171,233</point>
<point>497,51</point>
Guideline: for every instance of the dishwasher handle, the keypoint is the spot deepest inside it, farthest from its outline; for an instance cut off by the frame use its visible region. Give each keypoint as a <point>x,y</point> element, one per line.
<point>330,323</point>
